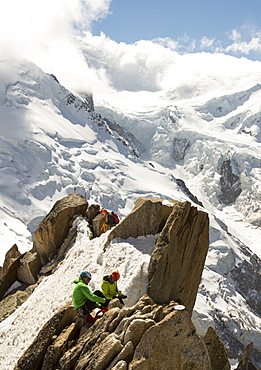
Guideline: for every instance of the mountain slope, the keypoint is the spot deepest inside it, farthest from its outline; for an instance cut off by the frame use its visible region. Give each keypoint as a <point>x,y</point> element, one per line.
<point>204,149</point>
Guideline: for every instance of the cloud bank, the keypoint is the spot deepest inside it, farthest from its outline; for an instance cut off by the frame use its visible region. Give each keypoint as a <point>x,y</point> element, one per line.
<point>155,66</point>
<point>56,35</point>
<point>44,31</point>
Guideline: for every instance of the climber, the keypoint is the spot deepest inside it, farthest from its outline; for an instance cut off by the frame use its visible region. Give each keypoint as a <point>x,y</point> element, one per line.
<point>84,300</point>
<point>110,288</point>
<point>109,221</point>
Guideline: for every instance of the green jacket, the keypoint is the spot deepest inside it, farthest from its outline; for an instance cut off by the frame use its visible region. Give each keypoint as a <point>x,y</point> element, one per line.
<point>109,290</point>
<point>82,293</point>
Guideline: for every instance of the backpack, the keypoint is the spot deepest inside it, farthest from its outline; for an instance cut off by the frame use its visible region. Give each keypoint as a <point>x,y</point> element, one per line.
<point>115,218</point>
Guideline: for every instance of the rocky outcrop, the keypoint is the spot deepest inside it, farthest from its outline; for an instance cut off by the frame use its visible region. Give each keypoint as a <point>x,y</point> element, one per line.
<point>54,227</point>
<point>178,258</point>
<point>216,350</point>
<point>148,217</point>
<point>92,212</point>
<point>171,344</point>
<point>11,256</point>
<point>29,268</point>
<point>46,349</point>
<point>144,336</point>
<point>97,224</point>
<point>51,238</point>
<point>12,301</point>
<point>245,363</point>
<point>9,271</point>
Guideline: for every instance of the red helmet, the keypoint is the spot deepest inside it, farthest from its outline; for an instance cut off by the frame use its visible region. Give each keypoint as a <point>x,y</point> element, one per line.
<point>115,275</point>
<point>104,211</point>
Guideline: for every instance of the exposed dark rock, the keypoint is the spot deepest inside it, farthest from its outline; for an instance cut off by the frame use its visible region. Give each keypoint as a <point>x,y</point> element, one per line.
<point>245,363</point>
<point>247,277</point>
<point>230,184</point>
<point>126,137</point>
<point>183,186</point>
<point>179,148</point>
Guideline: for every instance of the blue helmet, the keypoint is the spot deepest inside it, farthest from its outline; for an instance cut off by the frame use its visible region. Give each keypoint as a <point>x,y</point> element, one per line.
<point>85,274</point>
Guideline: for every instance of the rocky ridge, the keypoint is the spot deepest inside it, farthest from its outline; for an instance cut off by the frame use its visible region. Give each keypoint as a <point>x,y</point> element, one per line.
<point>145,336</point>
<point>136,335</point>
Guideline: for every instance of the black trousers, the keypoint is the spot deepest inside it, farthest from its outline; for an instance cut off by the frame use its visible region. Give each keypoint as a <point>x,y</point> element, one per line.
<point>89,305</point>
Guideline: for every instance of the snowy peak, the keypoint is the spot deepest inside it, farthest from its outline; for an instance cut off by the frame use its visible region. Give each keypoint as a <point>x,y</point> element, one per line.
<point>49,142</point>
<point>223,105</point>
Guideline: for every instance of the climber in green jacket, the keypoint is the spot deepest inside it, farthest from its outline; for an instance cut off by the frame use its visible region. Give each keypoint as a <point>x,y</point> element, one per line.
<point>110,288</point>
<point>84,301</point>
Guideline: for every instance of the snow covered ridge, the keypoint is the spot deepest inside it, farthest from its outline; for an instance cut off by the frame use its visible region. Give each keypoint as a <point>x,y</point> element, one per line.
<point>48,148</point>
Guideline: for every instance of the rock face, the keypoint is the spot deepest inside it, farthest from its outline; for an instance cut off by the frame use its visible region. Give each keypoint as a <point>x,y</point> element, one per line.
<point>11,302</point>
<point>180,146</point>
<point>178,258</point>
<point>12,255</point>
<point>144,336</point>
<point>172,342</point>
<point>97,223</point>
<point>93,211</point>
<point>9,272</point>
<point>54,227</point>
<point>245,363</point>
<point>216,350</point>
<point>41,354</point>
<point>29,267</point>
<point>148,217</point>
<point>49,237</point>
<point>247,277</point>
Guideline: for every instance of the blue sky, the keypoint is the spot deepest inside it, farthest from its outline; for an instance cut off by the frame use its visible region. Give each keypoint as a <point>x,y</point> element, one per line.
<point>222,23</point>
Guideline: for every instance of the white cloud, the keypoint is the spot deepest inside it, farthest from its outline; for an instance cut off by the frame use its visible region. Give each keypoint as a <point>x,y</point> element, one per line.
<point>247,39</point>
<point>245,47</point>
<point>234,35</point>
<point>167,42</point>
<point>206,43</point>
<point>133,67</point>
<point>152,66</point>
<point>44,32</point>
